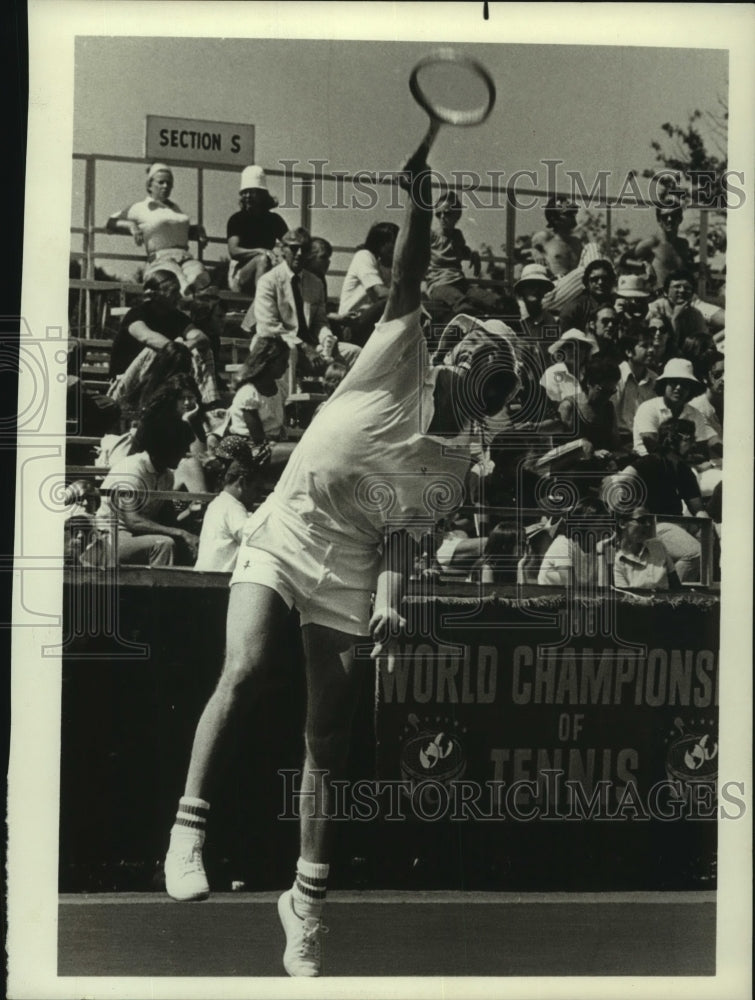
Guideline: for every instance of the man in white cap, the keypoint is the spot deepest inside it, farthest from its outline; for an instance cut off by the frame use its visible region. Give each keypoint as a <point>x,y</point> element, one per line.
<point>253,232</point>
<point>675,386</point>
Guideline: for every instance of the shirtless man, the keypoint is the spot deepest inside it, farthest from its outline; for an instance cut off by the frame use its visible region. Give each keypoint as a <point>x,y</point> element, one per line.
<point>562,252</point>
<point>666,251</point>
<point>560,249</point>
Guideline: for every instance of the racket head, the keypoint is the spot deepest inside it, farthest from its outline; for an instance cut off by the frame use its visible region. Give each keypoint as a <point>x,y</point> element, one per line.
<point>445,114</point>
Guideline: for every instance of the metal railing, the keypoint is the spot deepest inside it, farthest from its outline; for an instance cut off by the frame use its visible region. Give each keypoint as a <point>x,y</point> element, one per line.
<point>306,182</point>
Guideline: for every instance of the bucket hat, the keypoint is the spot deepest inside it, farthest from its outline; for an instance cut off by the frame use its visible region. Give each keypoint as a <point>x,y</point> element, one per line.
<point>579,337</point>
<point>534,274</point>
<point>632,286</point>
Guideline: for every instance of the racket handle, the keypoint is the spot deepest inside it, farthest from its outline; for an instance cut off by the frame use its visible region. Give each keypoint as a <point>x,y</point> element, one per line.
<point>430,137</point>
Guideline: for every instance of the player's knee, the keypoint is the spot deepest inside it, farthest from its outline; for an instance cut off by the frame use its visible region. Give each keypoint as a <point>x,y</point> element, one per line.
<point>327,750</point>
<point>240,674</point>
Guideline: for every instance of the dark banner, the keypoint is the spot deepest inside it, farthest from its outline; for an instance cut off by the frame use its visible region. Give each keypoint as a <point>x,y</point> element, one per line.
<point>533,722</point>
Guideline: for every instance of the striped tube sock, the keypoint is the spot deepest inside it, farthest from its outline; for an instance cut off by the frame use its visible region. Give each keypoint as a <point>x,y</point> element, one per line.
<point>191,818</point>
<point>310,886</point>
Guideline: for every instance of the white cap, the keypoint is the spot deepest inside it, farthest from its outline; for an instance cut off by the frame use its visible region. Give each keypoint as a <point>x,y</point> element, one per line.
<point>156,168</point>
<point>253,177</point>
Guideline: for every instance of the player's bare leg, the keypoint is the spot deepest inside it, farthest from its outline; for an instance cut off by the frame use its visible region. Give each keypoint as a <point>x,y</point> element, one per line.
<point>257,616</point>
<point>332,687</point>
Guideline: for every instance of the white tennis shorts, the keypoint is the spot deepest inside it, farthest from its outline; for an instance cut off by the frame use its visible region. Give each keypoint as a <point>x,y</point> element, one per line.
<point>329,580</point>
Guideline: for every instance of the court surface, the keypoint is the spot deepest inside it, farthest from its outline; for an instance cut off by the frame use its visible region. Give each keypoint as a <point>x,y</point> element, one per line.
<point>395,934</point>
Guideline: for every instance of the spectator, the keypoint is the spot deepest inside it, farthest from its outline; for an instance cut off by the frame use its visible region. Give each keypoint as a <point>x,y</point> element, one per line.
<point>511,482</point>
<point>676,306</point>
<point>674,388</point>
<point>666,251</point>
<point>207,312</point>
<point>257,410</point>
<point>503,554</point>
<point>562,253</point>
<point>334,375</point>
<point>711,403</point>
<point>448,288</point>
<point>144,536</point>
<point>604,326</point>
<point>154,323</point>
<point>318,261</point>
<point>589,413</point>
<point>290,304</point>
<point>253,232</point>
<point>176,396</point>
<point>227,514</point>
<point>599,279</point>
<point>365,287</point>
<point>641,562</point>
<point>571,560</point>
<point>669,485</point>
<point>632,298</point>
<point>534,321</point>
<point>636,382</point>
<point>571,351</point>
<point>159,225</point>
<point>664,343</point>
<point>148,372</point>
<point>696,348</point>
<point>84,543</point>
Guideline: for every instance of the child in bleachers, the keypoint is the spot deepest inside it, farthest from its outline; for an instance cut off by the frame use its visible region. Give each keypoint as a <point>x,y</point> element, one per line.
<point>226,515</point>
<point>257,410</point>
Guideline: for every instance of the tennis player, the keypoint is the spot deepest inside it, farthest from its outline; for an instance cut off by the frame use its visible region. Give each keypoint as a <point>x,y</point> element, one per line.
<point>387,453</point>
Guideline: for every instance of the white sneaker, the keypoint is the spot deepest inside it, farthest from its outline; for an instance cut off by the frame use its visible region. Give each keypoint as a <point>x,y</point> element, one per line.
<point>185,877</point>
<point>303,954</point>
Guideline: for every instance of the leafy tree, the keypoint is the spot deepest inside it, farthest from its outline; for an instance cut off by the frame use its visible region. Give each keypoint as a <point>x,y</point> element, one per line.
<point>696,164</point>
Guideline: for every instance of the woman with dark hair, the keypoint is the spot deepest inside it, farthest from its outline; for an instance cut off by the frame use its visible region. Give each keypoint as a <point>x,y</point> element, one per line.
<point>572,559</point>
<point>257,410</point>
<point>147,373</point>
<point>365,287</point>
<point>589,413</point>
<point>696,347</point>
<point>598,279</point>
<point>175,396</point>
<point>504,549</point>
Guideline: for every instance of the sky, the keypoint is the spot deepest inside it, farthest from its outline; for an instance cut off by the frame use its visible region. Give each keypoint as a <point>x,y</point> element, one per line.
<point>347,102</point>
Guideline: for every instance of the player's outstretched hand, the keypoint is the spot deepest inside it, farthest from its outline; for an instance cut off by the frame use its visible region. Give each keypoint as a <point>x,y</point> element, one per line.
<point>385,627</point>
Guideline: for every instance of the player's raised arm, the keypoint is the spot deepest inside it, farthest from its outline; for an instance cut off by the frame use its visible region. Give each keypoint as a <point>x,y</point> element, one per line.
<point>412,253</point>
